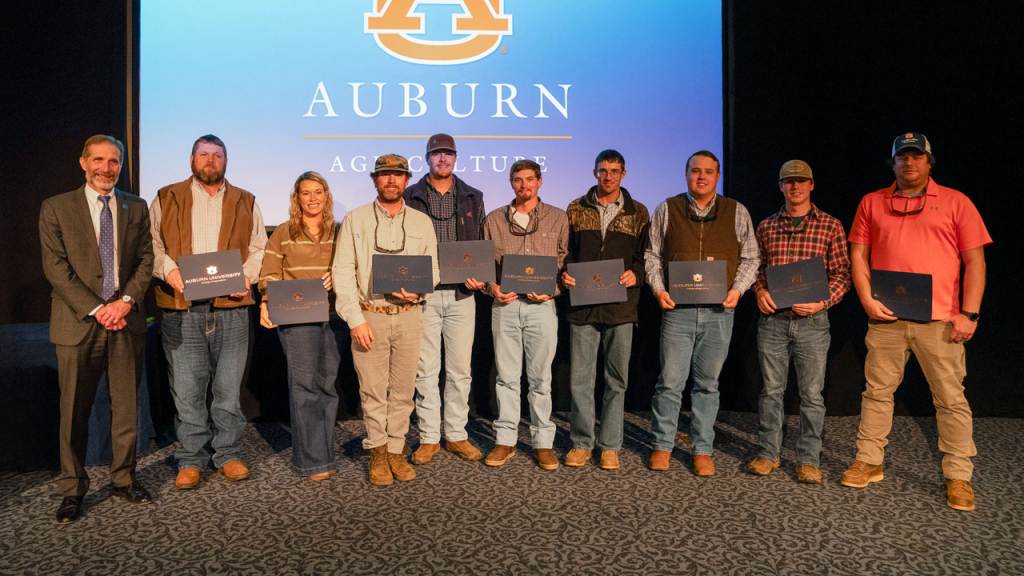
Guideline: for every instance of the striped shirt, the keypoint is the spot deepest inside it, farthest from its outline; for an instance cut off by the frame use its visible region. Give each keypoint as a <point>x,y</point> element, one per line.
<point>551,237</point>
<point>817,235</point>
<point>302,258</point>
<point>746,271</point>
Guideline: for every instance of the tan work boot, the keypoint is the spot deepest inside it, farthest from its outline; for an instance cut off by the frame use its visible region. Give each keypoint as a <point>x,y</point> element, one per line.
<point>500,455</point>
<point>380,470</point>
<point>762,466</point>
<point>188,478</point>
<point>860,474</point>
<point>546,458</point>
<point>400,469</point>
<point>959,495</point>
<point>659,460</point>
<point>577,457</point>
<point>808,474</point>
<point>609,460</point>
<point>703,466</point>
<point>463,449</point>
<point>424,453</point>
<point>234,471</point>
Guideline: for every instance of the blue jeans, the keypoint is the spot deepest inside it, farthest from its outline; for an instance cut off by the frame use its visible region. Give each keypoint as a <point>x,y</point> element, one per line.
<point>694,339</point>
<point>518,328</point>
<point>455,321</point>
<point>313,359</point>
<point>206,344</point>
<point>805,340</point>
<point>616,341</point>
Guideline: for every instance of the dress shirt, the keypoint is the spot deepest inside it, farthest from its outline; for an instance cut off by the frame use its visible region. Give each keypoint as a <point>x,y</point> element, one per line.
<point>551,237</point>
<point>608,212</point>
<point>92,198</point>
<point>746,270</point>
<point>441,205</point>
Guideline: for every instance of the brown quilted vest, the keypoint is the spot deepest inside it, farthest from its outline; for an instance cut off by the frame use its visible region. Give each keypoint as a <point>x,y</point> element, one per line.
<point>714,240</point>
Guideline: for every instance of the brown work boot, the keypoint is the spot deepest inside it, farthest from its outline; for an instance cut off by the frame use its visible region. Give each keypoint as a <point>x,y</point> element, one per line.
<point>500,455</point>
<point>609,460</point>
<point>424,453</point>
<point>400,469</point>
<point>808,474</point>
<point>188,478</point>
<point>380,471</point>
<point>762,466</point>
<point>320,476</point>
<point>234,471</point>
<point>860,474</point>
<point>659,459</point>
<point>463,449</point>
<point>959,495</point>
<point>577,457</point>
<point>546,458</point>
<point>702,465</point>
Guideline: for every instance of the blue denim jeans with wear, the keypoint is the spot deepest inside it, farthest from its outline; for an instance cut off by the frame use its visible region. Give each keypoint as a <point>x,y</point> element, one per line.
<point>313,360</point>
<point>805,339</point>
<point>616,341</point>
<point>455,322</point>
<point>531,328</point>
<point>692,339</point>
<point>206,346</point>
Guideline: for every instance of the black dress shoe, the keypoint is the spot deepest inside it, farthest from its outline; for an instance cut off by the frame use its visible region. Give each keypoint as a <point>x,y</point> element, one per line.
<point>70,509</point>
<point>134,493</point>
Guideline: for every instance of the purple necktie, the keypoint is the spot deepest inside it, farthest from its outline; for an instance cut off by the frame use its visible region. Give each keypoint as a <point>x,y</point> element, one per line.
<point>107,248</point>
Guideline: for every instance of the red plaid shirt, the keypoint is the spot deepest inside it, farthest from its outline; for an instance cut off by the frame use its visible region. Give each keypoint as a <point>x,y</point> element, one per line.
<point>817,235</point>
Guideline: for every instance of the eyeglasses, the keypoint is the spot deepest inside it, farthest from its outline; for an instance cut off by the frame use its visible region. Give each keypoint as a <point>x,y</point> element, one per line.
<point>907,211</point>
<point>613,173</point>
<point>376,244</point>
<point>533,223</point>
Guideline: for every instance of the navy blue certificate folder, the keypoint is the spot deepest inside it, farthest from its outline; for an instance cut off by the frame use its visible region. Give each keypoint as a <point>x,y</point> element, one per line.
<point>800,282</point>
<point>212,274</point>
<point>908,295</point>
<point>297,301</point>
<point>697,282</point>
<point>460,261</point>
<point>597,282</point>
<point>393,272</point>
<point>526,274</point>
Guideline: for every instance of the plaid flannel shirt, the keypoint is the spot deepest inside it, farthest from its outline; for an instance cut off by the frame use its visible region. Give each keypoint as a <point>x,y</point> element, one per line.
<point>817,235</point>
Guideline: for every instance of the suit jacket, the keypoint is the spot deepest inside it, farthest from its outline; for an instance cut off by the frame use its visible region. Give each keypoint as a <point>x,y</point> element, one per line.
<point>71,261</point>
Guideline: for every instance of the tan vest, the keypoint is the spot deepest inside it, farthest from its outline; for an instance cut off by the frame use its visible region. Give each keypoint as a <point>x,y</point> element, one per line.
<point>714,240</point>
<point>176,232</point>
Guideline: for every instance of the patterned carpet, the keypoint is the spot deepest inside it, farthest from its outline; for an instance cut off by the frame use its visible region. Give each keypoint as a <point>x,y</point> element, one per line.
<point>465,518</point>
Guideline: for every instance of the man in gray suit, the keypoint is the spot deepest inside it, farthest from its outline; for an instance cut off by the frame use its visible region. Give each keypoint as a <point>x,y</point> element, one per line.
<point>98,256</point>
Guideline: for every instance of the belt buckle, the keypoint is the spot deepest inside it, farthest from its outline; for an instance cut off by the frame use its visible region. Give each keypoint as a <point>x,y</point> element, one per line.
<point>392,310</point>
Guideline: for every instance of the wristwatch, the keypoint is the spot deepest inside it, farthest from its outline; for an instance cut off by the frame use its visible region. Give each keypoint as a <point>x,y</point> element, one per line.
<point>127,299</point>
<point>972,316</point>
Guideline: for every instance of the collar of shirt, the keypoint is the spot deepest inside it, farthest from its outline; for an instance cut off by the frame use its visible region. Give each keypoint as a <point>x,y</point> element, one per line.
<point>199,189</point>
<point>931,189</point>
<point>93,196</point>
<point>384,211</point>
<point>617,204</point>
<point>697,209</point>
<point>813,212</point>
<point>511,211</point>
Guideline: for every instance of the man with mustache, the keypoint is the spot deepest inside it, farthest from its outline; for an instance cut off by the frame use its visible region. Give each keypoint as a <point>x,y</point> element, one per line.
<point>206,341</point>
<point>915,225</point>
<point>98,256</point>
<point>456,210</point>
<point>387,329</point>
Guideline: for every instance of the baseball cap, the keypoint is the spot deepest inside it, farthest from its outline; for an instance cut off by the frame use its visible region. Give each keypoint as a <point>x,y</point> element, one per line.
<point>440,142</point>
<point>911,140</point>
<point>391,163</point>
<point>796,169</point>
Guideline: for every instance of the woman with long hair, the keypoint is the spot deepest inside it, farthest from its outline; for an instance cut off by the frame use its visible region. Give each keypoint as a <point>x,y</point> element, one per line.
<point>303,248</point>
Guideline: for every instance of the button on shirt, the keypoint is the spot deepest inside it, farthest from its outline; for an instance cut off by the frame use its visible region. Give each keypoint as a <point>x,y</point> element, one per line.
<point>608,213</point>
<point>551,237</point>
<point>92,197</point>
<point>441,209</point>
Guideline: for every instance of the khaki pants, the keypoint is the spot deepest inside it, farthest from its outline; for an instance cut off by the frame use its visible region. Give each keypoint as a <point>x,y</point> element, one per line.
<point>943,363</point>
<point>387,376</point>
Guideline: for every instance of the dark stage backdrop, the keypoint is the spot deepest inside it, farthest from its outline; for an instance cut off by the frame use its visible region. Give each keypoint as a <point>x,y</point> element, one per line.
<point>831,83</point>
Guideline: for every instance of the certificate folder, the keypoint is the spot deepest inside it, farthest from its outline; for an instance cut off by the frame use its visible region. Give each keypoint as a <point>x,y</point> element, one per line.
<point>460,261</point>
<point>297,301</point>
<point>597,282</point>
<point>526,274</point>
<point>908,295</point>
<point>212,274</point>
<point>391,273</point>
<point>798,282</point>
<point>697,282</point>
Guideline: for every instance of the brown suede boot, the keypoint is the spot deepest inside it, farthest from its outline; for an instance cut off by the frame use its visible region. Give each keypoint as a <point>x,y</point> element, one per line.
<point>380,471</point>
<point>424,453</point>
<point>463,449</point>
<point>400,469</point>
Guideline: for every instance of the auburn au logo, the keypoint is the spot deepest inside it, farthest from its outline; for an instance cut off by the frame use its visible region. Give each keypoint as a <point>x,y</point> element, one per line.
<point>483,22</point>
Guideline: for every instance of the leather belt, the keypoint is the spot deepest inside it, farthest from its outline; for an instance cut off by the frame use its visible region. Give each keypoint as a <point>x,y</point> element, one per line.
<point>390,310</point>
<point>794,315</point>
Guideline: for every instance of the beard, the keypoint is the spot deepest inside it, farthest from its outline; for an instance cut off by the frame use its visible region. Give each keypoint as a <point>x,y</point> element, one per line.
<point>102,184</point>
<point>208,177</point>
<point>390,194</point>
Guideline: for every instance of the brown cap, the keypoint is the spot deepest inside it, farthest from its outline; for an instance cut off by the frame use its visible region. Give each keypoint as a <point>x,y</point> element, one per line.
<point>391,163</point>
<point>440,142</point>
<point>796,169</point>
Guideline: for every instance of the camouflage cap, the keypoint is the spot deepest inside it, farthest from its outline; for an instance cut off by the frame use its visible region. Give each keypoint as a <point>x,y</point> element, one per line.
<point>796,169</point>
<point>391,163</point>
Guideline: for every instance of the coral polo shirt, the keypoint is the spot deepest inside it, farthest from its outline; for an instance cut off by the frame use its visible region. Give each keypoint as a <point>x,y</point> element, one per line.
<point>929,242</point>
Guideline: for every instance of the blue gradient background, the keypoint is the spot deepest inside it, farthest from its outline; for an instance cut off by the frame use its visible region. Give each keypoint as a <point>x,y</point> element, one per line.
<point>646,80</point>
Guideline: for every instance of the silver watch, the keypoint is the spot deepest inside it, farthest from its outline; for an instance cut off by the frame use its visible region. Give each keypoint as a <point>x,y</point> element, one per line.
<point>127,299</point>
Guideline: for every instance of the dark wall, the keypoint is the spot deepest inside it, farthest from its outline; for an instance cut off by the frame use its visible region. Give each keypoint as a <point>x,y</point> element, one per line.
<point>831,83</point>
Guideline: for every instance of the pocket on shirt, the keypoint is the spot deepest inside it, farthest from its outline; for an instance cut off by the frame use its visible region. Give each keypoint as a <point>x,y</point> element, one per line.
<point>415,243</point>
